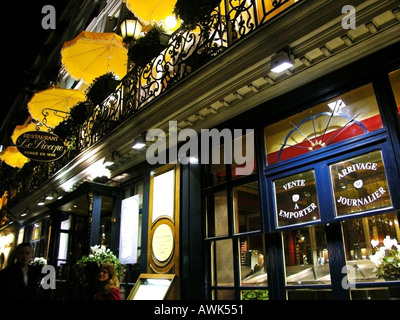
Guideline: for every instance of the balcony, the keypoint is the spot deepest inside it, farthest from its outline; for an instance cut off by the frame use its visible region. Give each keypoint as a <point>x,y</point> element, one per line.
<point>192,63</point>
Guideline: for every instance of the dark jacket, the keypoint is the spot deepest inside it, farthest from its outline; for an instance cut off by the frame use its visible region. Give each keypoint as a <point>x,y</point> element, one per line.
<point>12,286</point>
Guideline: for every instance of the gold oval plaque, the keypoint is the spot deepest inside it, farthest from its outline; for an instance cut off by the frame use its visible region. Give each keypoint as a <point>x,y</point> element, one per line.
<point>162,243</point>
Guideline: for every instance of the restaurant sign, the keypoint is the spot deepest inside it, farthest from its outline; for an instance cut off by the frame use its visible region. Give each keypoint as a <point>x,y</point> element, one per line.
<point>40,146</point>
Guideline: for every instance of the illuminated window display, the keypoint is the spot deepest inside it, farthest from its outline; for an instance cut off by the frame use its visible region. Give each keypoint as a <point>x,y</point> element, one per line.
<point>306,256</point>
<point>360,184</point>
<point>296,199</point>
<point>343,117</point>
<point>395,82</point>
<point>328,210</point>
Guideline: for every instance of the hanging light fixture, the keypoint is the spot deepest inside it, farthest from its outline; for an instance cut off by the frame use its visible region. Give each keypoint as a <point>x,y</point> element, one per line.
<point>282,61</point>
<point>130,28</point>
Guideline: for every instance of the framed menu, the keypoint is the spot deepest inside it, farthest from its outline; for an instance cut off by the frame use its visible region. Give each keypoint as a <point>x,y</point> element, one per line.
<point>154,287</point>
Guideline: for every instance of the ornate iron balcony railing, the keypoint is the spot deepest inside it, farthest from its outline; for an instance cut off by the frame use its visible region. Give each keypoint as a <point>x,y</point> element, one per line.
<point>186,52</point>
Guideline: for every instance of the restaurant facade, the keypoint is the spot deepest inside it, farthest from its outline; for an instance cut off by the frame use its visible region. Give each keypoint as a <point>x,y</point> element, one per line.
<point>252,184</point>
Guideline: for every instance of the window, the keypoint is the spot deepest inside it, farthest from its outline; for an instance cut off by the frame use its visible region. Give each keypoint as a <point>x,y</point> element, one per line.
<point>360,184</point>
<point>395,81</point>
<point>367,241</point>
<point>306,256</point>
<point>296,199</point>
<point>246,207</point>
<point>233,226</point>
<point>348,115</point>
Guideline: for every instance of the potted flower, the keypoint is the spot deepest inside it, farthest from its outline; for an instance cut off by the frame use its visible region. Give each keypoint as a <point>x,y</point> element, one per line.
<point>143,49</point>
<point>80,112</point>
<point>64,129</point>
<point>102,87</point>
<point>194,12</point>
<point>86,269</point>
<point>387,258</point>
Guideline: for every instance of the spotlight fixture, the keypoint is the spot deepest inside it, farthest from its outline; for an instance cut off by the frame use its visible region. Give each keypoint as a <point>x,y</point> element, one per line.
<point>139,142</point>
<point>110,159</point>
<point>282,61</point>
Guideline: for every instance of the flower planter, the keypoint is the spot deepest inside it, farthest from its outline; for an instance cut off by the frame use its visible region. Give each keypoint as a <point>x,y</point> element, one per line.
<point>101,89</point>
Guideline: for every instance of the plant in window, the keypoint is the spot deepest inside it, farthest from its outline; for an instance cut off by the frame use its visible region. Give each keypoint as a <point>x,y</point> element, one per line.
<point>387,258</point>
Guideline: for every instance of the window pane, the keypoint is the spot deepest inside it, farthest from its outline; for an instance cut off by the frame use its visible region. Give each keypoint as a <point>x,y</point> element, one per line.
<point>306,256</point>
<point>246,207</point>
<point>217,214</point>
<point>253,270</point>
<point>223,294</point>
<point>360,184</point>
<point>222,266</point>
<point>216,169</point>
<point>343,117</point>
<point>395,81</point>
<point>362,238</point>
<point>296,199</point>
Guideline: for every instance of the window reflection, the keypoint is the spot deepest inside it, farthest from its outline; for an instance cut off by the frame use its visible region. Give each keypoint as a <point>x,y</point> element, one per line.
<point>351,114</point>
<point>360,184</point>
<point>253,271</point>
<point>246,207</point>
<point>217,214</point>
<point>306,256</point>
<point>222,267</point>
<point>358,234</point>
<point>395,81</point>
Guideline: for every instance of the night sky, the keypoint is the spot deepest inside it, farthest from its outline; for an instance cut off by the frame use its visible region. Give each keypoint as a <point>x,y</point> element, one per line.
<point>23,38</point>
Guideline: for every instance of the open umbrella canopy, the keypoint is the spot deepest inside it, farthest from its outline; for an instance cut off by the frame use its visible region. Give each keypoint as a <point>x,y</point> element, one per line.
<point>13,157</point>
<point>92,54</point>
<point>52,105</point>
<point>21,129</point>
<point>151,10</point>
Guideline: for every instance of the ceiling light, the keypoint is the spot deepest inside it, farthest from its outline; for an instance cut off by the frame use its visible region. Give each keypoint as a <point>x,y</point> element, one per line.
<point>139,142</point>
<point>110,159</point>
<point>49,197</point>
<point>282,61</point>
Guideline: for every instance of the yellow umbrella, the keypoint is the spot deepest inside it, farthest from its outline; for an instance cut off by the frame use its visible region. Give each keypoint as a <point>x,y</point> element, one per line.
<point>21,129</point>
<point>44,104</point>
<point>13,157</point>
<point>151,10</point>
<point>92,54</point>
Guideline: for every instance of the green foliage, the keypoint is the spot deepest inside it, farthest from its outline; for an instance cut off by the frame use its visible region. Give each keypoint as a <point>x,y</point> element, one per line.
<point>102,87</point>
<point>143,49</point>
<point>387,259</point>
<point>255,294</point>
<point>86,268</point>
<point>194,12</point>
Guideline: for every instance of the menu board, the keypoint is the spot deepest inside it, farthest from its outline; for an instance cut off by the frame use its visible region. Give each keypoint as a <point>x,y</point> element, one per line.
<point>153,287</point>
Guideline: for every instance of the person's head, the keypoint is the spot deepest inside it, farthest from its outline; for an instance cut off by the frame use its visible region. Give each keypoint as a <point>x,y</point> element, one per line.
<point>107,274</point>
<point>23,254</point>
